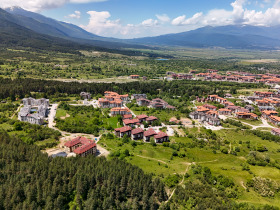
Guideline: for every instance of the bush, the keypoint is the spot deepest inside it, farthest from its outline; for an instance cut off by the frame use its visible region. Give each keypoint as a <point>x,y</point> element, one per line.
<point>225,151</point>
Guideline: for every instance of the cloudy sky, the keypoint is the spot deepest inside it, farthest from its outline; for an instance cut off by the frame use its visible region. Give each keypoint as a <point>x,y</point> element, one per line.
<point>139,18</point>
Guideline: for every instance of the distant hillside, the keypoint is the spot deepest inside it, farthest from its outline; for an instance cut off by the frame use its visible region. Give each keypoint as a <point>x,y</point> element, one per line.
<point>237,37</point>
<point>14,35</point>
<point>48,26</point>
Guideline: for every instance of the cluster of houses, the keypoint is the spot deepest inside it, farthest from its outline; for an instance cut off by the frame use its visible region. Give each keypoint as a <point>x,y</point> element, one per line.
<point>34,110</point>
<point>133,130</point>
<point>243,77</point>
<point>210,113</point>
<point>81,146</point>
<point>129,121</point>
<point>141,134</point>
<point>112,100</point>
<point>156,103</point>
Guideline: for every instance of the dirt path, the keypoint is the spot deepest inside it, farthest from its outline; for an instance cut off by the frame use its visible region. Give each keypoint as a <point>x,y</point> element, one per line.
<point>152,159</point>
<point>16,111</point>
<point>242,184</point>
<point>187,169</point>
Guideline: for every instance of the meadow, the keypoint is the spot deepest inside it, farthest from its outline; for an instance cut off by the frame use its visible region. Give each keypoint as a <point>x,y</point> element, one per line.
<point>225,153</point>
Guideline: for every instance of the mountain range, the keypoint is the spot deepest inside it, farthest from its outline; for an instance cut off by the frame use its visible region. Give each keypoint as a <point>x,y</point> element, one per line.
<point>21,26</point>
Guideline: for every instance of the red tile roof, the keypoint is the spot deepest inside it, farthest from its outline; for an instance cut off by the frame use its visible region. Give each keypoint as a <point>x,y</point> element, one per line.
<point>143,116</point>
<point>150,132</point>
<point>160,135</point>
<point>73,142</point>
<point>137,130</point>
<point>151,118</point>
<point>84,148</point>
<point>126,116</point>
<point>123,129</point>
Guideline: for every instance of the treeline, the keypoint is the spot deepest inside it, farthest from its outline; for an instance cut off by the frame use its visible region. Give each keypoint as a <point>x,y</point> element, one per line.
<point>22,87</point>
<point>31,180</point>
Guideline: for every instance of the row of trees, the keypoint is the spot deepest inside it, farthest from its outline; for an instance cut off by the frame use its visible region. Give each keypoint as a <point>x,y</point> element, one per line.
<point>22,87</point>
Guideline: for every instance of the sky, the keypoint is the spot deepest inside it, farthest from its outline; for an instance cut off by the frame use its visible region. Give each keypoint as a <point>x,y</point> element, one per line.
<point>141,18</point>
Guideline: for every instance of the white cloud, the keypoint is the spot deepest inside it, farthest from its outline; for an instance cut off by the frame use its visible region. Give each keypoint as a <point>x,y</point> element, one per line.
<point>76,15</point>
<point>163,18</point>
<point>149,23</point>
<point>181,20</point>
<point>85,1</point>
<point>39,5</point>
<point>238,15</point>
<point>99,23</point>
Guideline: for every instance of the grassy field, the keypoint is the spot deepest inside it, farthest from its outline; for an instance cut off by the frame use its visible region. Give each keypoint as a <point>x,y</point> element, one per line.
<point>159,160</point>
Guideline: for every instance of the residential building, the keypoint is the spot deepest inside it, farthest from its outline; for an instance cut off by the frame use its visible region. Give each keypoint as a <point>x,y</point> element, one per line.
<point>81,146</point>
<point>132,123</point>
<point>148,134</point>
<point>224,111</point>
<point>138,96</point>
<point>143,102</point>
<point>137,134</point>
<point>274,120</point>
<point>85,95</point>
<point>120,111</point>
<point>142,118</point>
<point>120,132</point>
<point>243,115</point>
<point>161,137</point>
<point>151,119</point>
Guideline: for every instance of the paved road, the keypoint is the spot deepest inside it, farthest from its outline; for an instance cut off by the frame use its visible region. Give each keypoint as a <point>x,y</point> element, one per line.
<point>52,116</point>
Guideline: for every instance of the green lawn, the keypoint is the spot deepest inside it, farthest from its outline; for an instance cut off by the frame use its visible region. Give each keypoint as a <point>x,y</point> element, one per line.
<point>61,113</point>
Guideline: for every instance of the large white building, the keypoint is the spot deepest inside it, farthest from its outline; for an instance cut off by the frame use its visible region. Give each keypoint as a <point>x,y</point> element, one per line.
<point>41,107</point>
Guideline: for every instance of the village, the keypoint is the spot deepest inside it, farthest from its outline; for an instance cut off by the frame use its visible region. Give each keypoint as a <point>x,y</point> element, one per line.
<point>205,112</point>
<point>229,76</point>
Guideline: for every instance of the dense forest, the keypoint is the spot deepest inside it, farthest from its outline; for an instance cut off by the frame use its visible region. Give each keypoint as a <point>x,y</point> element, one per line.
<point>19,88</point>
<point>31,180</point>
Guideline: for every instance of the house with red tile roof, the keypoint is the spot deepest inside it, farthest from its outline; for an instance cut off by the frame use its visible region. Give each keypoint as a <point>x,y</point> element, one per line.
<point>243,115</point>
<point>266,113</point>
<point>131,123</point>
<point>151,119</point>
<point>126,130</point>
<point>142,117</point>
<point>210,107</point>
<point>161,137</point>
<point>148,134</point>
<point>120,111</point>
<point>81,146</point>
<point>86,149</point>
<point>274,120</point>
<point>224,111</point>
<point>137,134</point>
<point>127,116</point>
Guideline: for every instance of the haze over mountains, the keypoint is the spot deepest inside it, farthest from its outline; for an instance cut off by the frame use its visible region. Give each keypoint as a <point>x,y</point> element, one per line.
<point>16,23</point>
